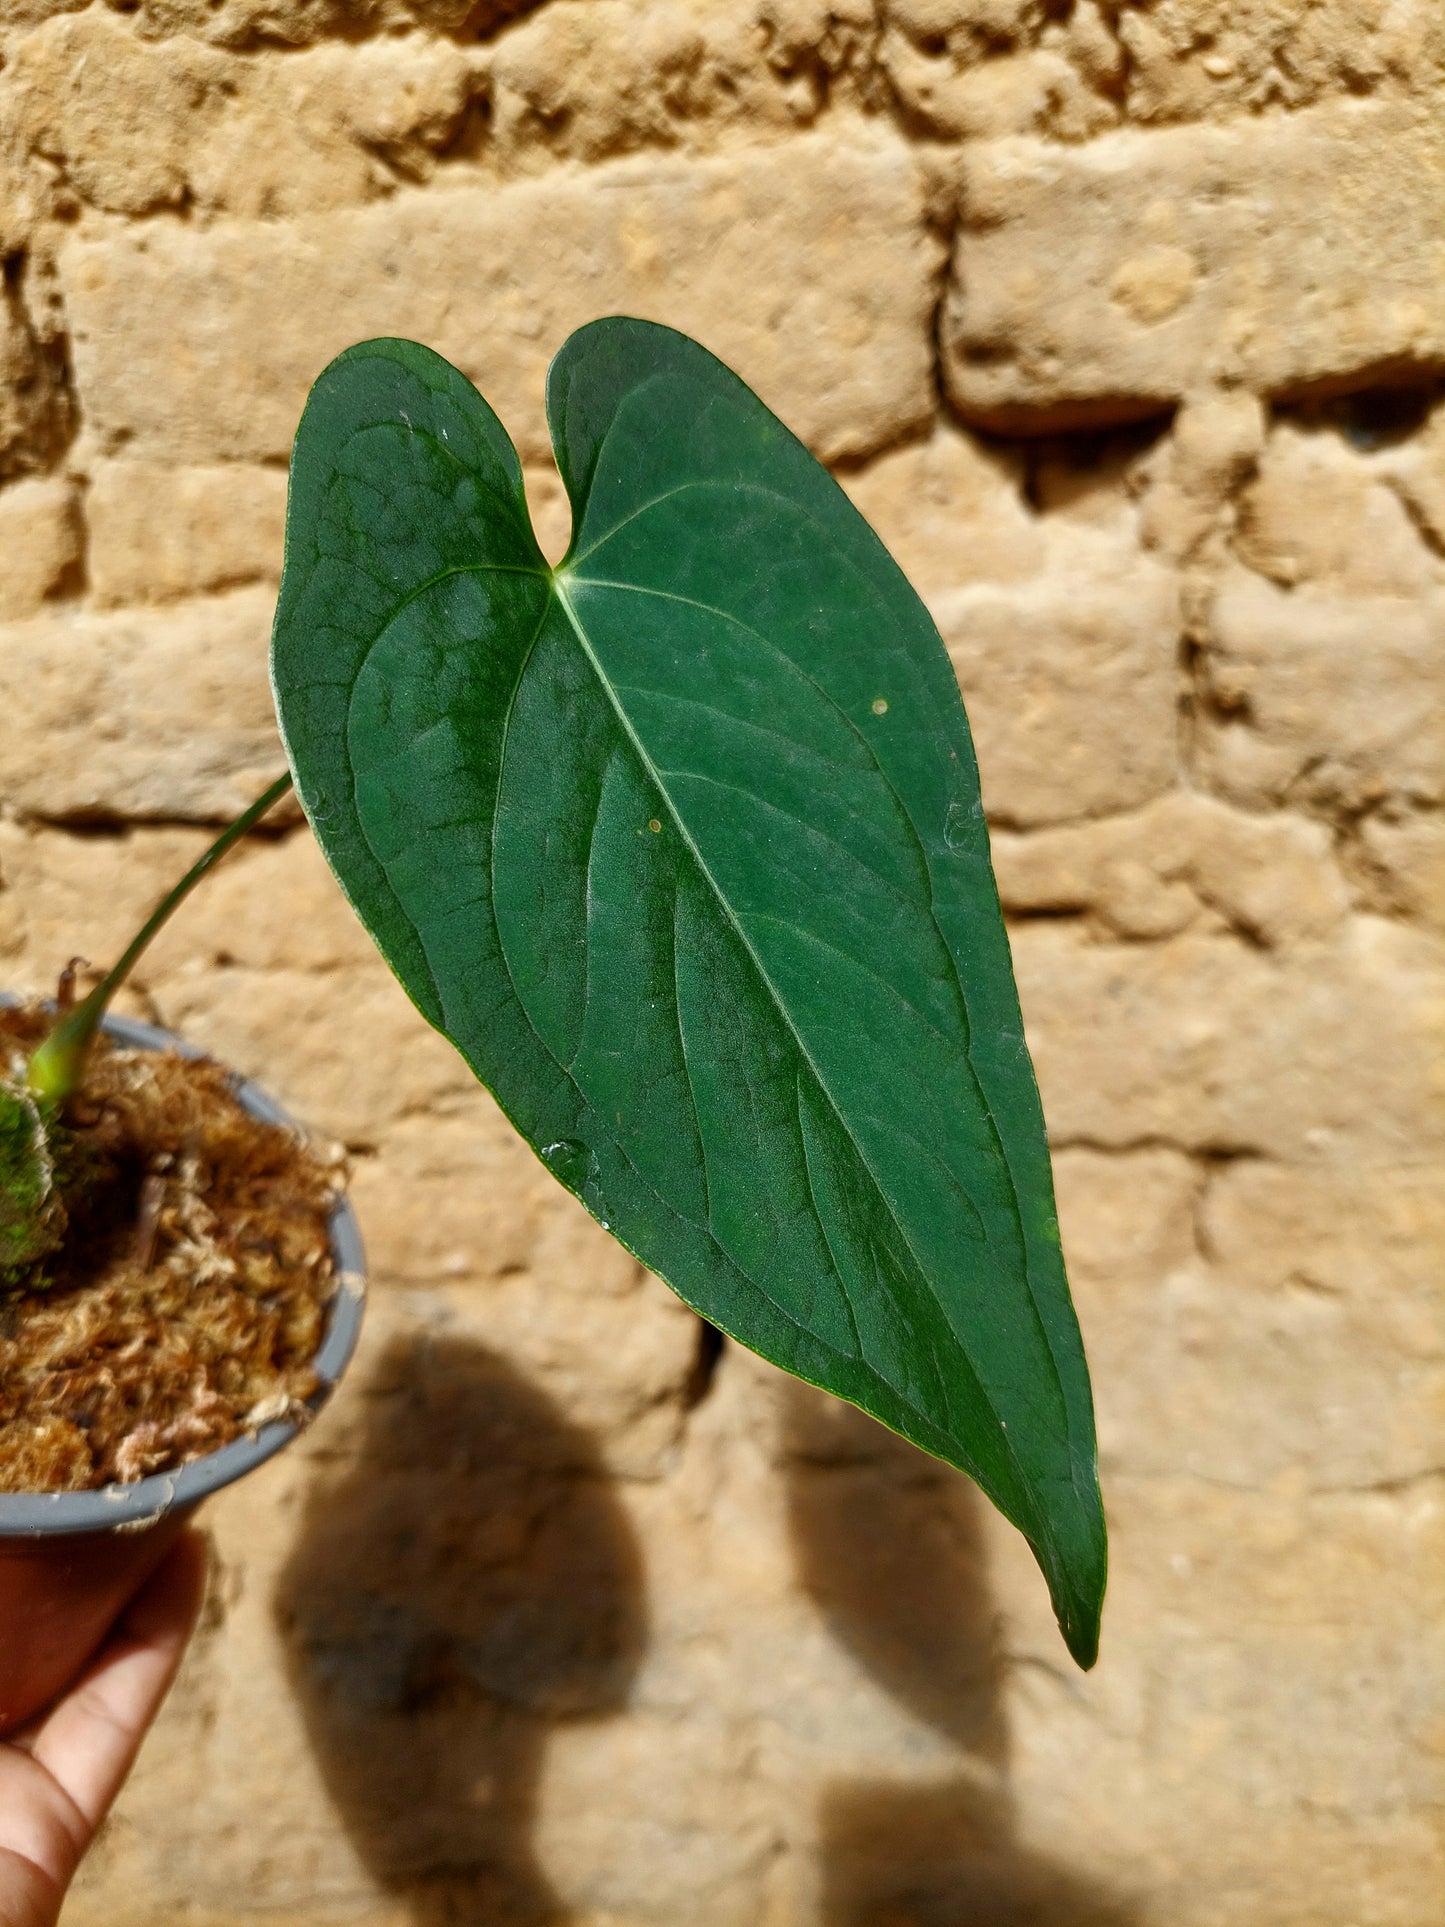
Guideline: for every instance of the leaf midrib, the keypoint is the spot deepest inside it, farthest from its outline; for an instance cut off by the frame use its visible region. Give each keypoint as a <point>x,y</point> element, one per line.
<point>669,595</point>
<point>559,589</point>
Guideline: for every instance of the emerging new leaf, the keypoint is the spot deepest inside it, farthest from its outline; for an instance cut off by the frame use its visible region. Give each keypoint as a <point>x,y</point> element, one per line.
<point>681,844</point>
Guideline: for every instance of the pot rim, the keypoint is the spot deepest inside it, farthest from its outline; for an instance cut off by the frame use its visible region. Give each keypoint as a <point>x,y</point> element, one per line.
<point>132,1507</point>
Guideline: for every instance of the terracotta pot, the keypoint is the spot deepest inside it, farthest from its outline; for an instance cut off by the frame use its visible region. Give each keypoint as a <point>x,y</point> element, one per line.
<point>69,1561</point>
<point>58,1599</point>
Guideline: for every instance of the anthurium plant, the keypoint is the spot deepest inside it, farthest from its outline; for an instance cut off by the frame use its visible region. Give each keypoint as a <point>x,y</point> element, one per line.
<point>680,842</point>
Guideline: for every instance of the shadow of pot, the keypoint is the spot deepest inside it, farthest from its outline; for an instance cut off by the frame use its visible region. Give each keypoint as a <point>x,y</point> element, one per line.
<point>69,1561</point>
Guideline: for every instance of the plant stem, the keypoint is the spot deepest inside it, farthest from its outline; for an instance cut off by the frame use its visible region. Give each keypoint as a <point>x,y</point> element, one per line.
<point>58,1066</point>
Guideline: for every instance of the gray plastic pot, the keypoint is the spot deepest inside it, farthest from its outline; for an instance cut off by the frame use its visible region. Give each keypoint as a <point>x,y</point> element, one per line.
<point>70,1560</point>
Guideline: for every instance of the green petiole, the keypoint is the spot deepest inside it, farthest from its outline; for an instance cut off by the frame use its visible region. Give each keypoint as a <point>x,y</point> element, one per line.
<point>57,1069</point>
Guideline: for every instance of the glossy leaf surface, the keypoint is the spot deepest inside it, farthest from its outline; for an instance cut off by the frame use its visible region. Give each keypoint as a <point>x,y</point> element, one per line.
<point>681,844</point>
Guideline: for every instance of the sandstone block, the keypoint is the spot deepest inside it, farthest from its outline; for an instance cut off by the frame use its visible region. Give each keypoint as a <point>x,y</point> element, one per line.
<point>1324,514</point>
<point>955,510</point>
<point>272,905</point>
<point>40,541</point>
<point>255,25</point>
<point>1109,280</point>
<point>1192,476</point>
<point>1224,1560</point>
<point>1350,1821</point>
<point>1320,1396</point>
<point>1355,1247</point>
<point>1321,1052</point>
<point>118,115</point>
<point>166,714</point>
<point>1036,90</point>
<point>134,124</point>
<point>1403,864</point>
<point>65,896</point>
<point>950,510</point>
<point>158,532</point>
<point>1073,1745</point>
<point>1331,701</point>
<point>1216,440</point>
<point>1072,689</point>
<point>296,1032</point>
<point>660,1819</point>
<point>1282,1583</point>
<point>605,1341</point>
<point>1364,1234</point>
<point>460,1197</point>
<point>178,350</point>
<point>29,13</point>
<point>1311,1294</point>
<point>1182,863</point>
<point>592,79</point>
<point>331,126</point>
<point>1348,1793</point>
<point>1205,59</point>
<point>1127,1216</point>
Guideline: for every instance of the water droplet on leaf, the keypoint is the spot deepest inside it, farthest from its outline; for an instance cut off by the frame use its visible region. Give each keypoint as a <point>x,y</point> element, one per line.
<point>576,1166</point>
<point>958,826</point>
<point>571,1162</point>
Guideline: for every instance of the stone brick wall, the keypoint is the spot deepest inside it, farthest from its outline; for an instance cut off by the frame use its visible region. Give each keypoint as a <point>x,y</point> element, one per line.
<point>1124,320</point>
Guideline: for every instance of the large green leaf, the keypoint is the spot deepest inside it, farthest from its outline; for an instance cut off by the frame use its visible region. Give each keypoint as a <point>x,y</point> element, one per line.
<point>681,843</point>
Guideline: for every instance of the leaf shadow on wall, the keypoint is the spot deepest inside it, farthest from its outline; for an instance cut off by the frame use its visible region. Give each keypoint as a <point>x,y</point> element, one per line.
<point>462,1583</point>
<point>890,1545</point>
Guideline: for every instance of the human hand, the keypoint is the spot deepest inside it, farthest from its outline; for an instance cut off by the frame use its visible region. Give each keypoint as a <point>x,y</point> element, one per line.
<point>60,1774</point>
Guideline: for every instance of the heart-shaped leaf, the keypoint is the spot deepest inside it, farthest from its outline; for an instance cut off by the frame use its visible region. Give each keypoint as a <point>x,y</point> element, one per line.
<point>681,843</point>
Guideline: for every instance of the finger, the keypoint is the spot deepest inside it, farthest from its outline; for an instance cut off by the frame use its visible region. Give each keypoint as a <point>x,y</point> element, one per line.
<point>40,1833</point>
<point>29,1896</point>
<point>89,1742</point>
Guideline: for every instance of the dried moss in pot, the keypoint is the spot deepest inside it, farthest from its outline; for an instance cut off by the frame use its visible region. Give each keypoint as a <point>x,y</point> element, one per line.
<point>165,1257</point>
<point>187,1295</point>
